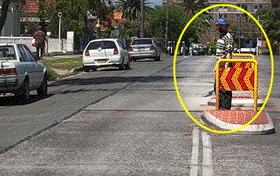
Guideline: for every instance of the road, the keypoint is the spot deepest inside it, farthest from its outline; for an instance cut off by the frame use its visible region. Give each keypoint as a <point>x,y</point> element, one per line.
<point>130,122</point>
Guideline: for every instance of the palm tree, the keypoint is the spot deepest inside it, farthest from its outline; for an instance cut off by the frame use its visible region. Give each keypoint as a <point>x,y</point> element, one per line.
<point>192,6</point>
<point>132,8</point>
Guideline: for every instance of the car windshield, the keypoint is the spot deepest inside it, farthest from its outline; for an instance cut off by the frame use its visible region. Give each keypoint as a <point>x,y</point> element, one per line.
<point>142,41</point>
<point>7,52</point>
<point>103,44</point>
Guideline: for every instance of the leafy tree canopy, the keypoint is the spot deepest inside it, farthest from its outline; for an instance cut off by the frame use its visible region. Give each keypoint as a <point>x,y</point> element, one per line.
<point>270,20</point>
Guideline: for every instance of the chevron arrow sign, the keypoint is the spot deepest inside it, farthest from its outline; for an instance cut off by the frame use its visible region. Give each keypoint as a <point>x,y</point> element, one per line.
<point>237,79</point>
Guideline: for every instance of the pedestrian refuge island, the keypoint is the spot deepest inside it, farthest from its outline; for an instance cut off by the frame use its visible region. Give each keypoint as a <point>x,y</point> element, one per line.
<point>242,76</point>
<point>243,100</point>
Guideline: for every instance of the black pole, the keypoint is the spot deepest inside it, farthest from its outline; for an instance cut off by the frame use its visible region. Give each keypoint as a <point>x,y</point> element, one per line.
<point>239,33</point>
<point>166,24</point>
<point>142,19</point>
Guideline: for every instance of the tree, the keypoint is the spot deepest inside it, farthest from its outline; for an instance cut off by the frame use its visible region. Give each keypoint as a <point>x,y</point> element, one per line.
<point>178,18</point>
<point>4,10</point>
<point>191,6</point>
<point>270,20</point>
<point>132,8</point>
<point>74,15</point>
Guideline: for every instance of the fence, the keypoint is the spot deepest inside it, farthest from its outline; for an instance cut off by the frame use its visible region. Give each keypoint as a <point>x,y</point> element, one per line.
<point>54,45</point>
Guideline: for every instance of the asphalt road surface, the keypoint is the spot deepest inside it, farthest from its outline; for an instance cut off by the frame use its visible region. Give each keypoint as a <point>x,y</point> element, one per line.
<point>130,122</point>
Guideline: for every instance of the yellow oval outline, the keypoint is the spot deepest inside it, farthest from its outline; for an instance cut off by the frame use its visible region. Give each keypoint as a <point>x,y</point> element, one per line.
<point>174,69</point>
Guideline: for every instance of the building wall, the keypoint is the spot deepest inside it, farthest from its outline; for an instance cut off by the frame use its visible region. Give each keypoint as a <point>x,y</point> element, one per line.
<point>250,5</point>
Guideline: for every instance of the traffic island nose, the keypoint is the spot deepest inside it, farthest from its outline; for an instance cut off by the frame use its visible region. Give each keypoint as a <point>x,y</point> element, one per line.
<point>227,120</point>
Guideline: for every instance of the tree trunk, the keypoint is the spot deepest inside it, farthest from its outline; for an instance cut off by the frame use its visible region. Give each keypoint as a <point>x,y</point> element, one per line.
<point>4,11</point>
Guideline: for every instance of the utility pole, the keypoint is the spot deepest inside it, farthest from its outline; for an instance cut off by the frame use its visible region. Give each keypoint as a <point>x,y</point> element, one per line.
<point>142,19</point>
<point>166,24</point>
<point>239,32</point>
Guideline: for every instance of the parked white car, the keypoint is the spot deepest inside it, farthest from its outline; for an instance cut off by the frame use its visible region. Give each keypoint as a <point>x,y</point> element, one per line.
<point>105,53</point>
<point>20,72</point>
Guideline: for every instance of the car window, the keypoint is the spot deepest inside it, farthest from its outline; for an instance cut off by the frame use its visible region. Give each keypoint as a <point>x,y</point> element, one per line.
<point>120,44</point>
<point>142,41</point>
<point>93,46</point>
<point>7,52</point>
<point>23,55</point>
<point>28,54</point>
<point>108,44</point>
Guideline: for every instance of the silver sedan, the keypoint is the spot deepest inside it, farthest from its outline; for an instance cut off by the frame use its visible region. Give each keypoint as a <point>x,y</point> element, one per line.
<point>141,48</point>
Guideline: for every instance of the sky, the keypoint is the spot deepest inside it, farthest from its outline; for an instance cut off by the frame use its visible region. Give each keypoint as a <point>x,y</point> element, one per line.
<point>155,2</point>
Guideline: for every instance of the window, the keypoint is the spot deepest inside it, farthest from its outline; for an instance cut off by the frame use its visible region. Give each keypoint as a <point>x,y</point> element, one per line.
<point>142,41</point>
<point>93,46</point>
<point>7,53</point>
<point>120,44</point>
<point>244,6</point>
<point>108,45</point>
<point>28,54</point>
<point>23,56</point>
<point>223,16</point>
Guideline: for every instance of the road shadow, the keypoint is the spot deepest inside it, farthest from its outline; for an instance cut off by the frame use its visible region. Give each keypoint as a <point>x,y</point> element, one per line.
<point>147,60</point>
<point>110,80</point>
<point>11,100</point>
<point>110,69</point>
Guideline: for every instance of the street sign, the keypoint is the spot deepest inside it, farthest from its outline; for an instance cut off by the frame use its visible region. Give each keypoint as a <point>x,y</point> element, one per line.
<point>237,79</point>
<point>59,14</point>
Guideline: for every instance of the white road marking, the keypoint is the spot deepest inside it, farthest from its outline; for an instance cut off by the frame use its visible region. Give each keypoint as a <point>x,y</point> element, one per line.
<point>194,160</point>
<point>207,166</point>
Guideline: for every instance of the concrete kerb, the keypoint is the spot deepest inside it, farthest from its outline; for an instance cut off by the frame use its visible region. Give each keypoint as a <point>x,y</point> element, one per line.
<point>239,102</point>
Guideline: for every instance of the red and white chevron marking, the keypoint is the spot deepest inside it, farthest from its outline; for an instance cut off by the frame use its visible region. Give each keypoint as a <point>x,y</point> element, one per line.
<point>237,79</point>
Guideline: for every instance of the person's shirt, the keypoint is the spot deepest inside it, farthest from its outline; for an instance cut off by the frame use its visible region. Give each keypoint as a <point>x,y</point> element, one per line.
<point>224,45</point>
<point>40,38</point>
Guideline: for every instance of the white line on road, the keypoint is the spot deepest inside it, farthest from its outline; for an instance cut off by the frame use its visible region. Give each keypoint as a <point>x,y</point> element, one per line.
<point>194,160</point>
<point>207,167</point>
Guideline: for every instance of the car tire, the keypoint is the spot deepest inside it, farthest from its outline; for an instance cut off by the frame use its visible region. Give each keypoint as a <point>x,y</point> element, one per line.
<point>122,66</point>
<point>94,68</point>
<point>127,66</point>
<point>24,92</point>
<point>157,58</point>
<point>86,69</point>
<point>43,90</point>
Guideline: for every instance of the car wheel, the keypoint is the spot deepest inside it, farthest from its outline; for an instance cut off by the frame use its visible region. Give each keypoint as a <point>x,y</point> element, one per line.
<point>122,67</point>
<point>157,58</point>
<point>86,69</point>
<point>127,66</point>
<point>94,68</point>
<point>43,90</point>
<point>24,93</point>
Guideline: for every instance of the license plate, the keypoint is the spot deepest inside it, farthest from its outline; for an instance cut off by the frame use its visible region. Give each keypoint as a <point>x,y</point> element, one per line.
<point>141,49</point>
<point>101,61</point>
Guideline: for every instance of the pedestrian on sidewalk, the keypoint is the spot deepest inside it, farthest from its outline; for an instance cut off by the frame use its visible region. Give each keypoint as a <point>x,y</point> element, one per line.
<point>40,39</point>
<point>224,49</point>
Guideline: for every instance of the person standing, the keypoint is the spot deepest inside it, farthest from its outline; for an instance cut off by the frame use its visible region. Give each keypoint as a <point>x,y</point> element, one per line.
<point>40,39</point>
<point>224,49</point>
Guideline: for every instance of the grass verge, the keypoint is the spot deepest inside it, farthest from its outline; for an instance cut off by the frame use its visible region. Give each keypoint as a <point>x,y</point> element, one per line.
<point>62,64</point>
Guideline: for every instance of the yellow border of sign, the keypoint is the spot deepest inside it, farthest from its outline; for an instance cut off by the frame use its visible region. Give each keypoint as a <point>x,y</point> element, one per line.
<point>174,68</point>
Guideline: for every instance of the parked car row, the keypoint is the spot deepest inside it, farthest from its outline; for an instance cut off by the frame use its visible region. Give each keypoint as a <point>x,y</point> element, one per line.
<point>20,71</point>
<point>112,53</point>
